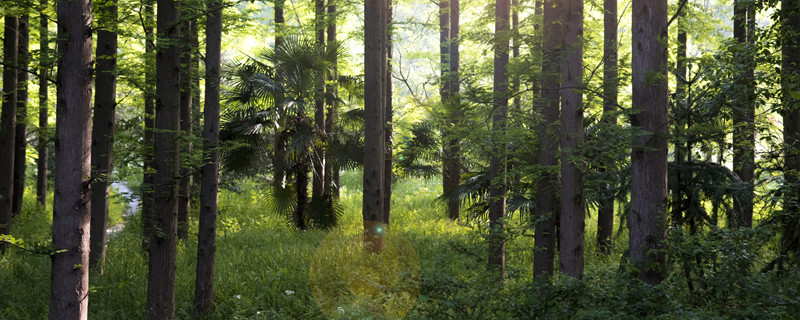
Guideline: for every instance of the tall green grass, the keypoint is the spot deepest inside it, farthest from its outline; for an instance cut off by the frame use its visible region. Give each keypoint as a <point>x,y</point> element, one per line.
<point>263,267</point>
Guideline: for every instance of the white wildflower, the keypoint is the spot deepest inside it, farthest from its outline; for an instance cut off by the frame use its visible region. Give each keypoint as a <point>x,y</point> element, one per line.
<point>340,309</point>
<point>289,292</point>
<point>238,296</point>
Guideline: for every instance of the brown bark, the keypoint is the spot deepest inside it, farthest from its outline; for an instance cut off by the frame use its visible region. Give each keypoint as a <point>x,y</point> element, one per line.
<point>605,212</point>
<point>387,166</point>
<point>161,276</point>
<point>69,276</point>
<point>318,157</point>
<point>572,198</point>
<point>103,129</point>
<point>681,150</point>
<point>451,174</point>
<point>790,73</point>
<point>149,123</point>
<point>44,131</point>
<point>185,183</point>
<point>497,165</point>
<point>8,124</point>
<point>209,196</point>
<point>375,61</point>
<point>744,116</point>
<point>547,189</point>
<point>646,220</point>
<point>21,136</point>
<point>331,183</point>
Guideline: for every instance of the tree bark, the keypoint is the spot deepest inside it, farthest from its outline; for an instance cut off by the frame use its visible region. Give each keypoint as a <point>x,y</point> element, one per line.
<point>161,277</point>
<point>185,183</point>
<point>547,189</point>
<point>375,65</point>
<point>497,166</point>
<point>452,143</point>
<point>105,105</point>
<point>69,272</point>
<point>209,196</point>
<point>790,73</point>
<point>647,220</point>
<point>149,123</point>
<point>21,136</point>
<point>387,166</point>
<point>572,198</point>
<point>44,131</point>
<point>8,124</point>
<point>318,157</point>
<point>744,116</point>
<point>331,183</point>
<point>605,212</point>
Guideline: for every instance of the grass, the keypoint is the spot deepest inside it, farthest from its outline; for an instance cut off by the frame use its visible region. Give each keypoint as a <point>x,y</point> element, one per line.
<point>264,271</point>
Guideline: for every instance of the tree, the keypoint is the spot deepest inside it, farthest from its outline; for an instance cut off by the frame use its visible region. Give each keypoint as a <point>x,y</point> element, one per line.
<point>646,220</point>
<point>331,183</point>
<point>605,212</point>
<point>8,124</point>
<point>44,131</point>
<point>105,105</point>
<point>744,115</point>
<point>69,277</point>
<point>375,64</point>
<point>185,183</point>
<point>318,158</point>
<point>209,197</point>
<point>387,164</point>
<point>546,192</point>
<point>790,72</point>
<point>572,198</point>
<point>149,95</point>
<point>163,242</point>
<point>21,135</point>
<point>451,162</point>
<point>497,166</point>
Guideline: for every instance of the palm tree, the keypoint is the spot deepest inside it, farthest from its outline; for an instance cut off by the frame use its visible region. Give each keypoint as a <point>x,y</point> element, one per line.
<point>284,132</point>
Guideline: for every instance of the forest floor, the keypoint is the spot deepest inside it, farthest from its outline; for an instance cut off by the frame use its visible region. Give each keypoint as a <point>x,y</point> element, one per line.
<point>267,270</point>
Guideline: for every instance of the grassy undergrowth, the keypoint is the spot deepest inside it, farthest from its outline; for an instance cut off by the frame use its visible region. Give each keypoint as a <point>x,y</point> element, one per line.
<point>262,271</point>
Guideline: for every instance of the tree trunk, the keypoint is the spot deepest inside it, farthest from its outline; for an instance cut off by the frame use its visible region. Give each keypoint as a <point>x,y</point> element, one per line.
<point>103,129</point>
<point>69,271</point>
<point>497,166</point>
<point>331,184</point>
<point>547,188</point>
<point>8,124</point>
<point>375,65</point>
<point>149,123</point>
<point>790,73</point>
<point>682,151</point>
<point>572,203</point>
<point>21,136</point>
<point>44,131</point>
<point>279,155</point>
<point>605,212</point>
<point>744,117</point>
<point>318,157</point>
<point>161,276</point>
<point>209,196</point>
<point>185,183</point>
<point>647,221</point>
<point>387,166</point>
<point>452,148</point>
<point>301,188</point>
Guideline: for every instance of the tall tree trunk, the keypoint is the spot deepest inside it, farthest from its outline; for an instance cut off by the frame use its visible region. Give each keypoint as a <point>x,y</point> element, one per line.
<point>21,137</point>
<point>682,151</point>
<point>790,73</point>
<point>646,220</point>
<point>103,128</point>
<point>318,157</point>
<point>497,166</point>
<point>149,123</point>
<point>452,148</point>
<point>331,182</point>
<point>387,166</point>
<point>69,269</point>
<point>744,116</point>
<point>605,213</point>
<point>375,65</point>
<point>301,188</point>
<point>209,196</point>
<point>185,183</point>
<point>44,131</point>
<point>279,156</point>
<point>572,199</point>
<point>547,188</point>
<point>8,124</point>
<point>161,276</point>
